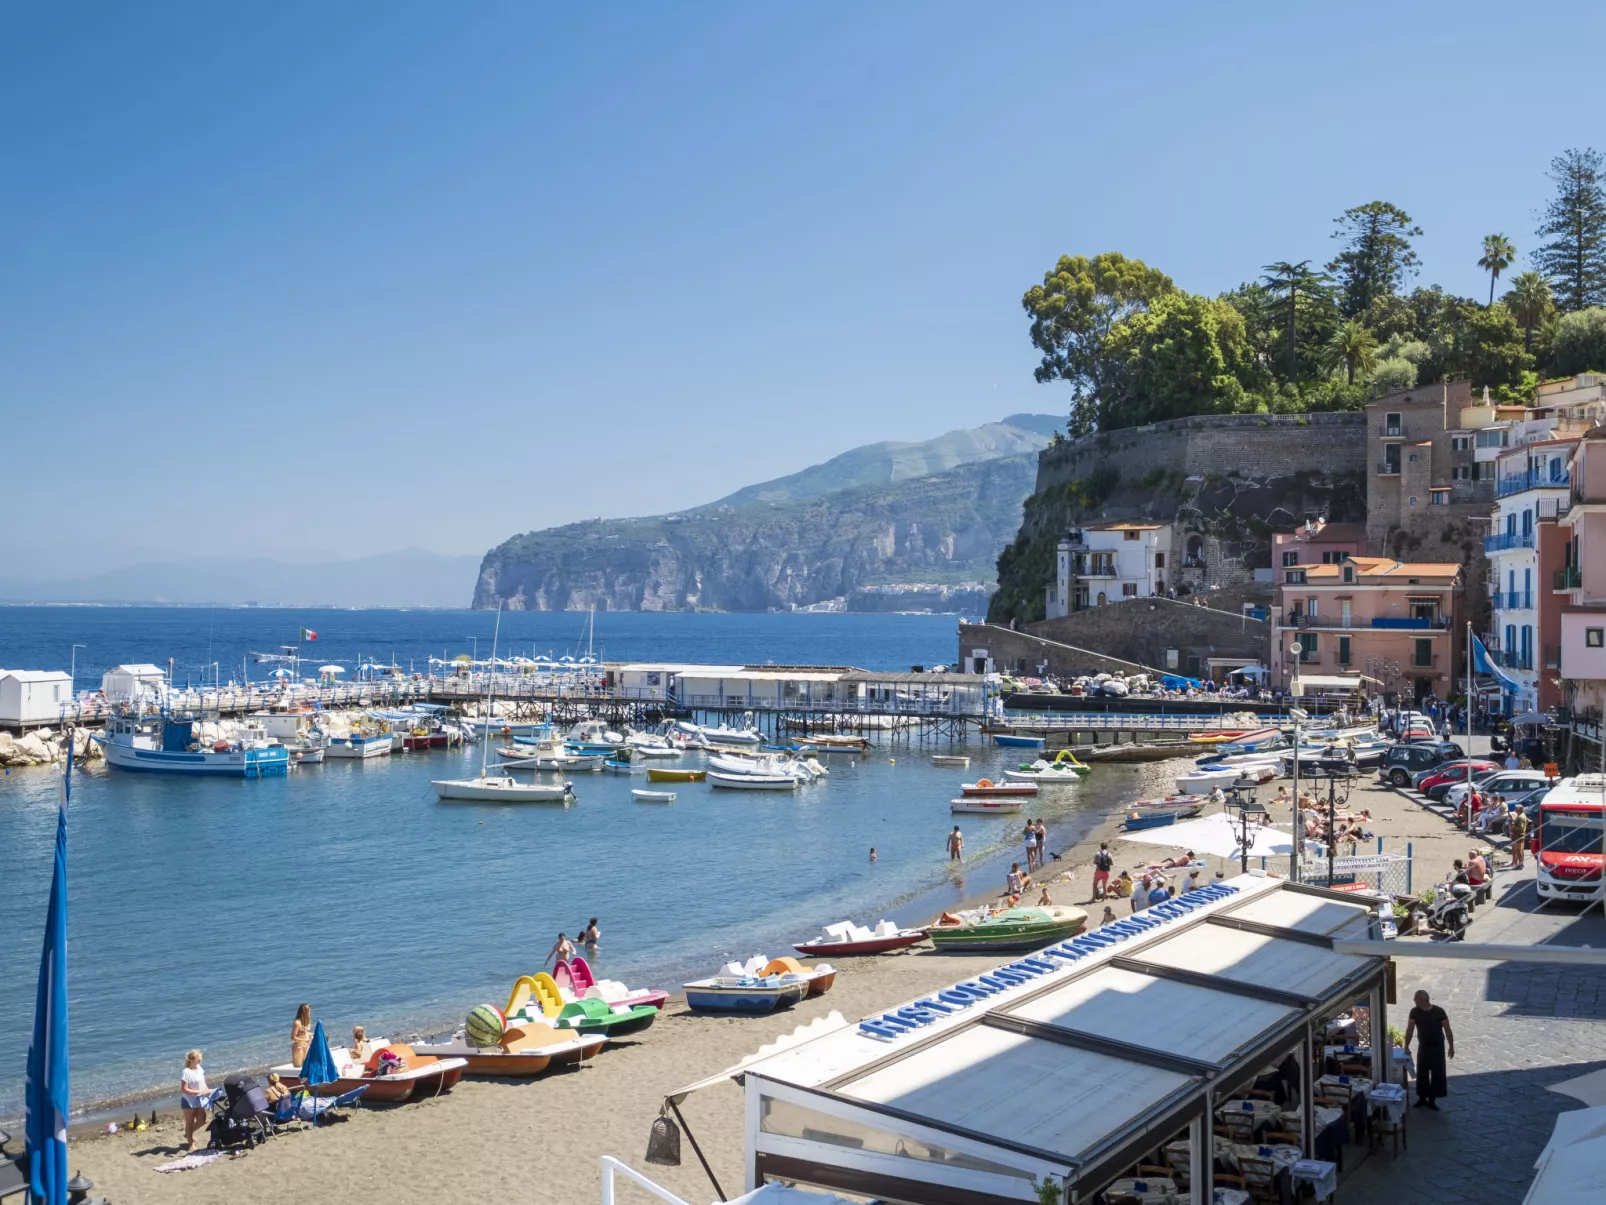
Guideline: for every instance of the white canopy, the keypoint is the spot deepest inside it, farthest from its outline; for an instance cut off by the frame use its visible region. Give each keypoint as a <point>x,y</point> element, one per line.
<point>1572,1167</point>
<point>331,669</point>
<point>1217,835</point>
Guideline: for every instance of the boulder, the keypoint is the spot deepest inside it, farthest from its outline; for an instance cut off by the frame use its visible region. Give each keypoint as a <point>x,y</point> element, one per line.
<point>84,746</point>
<point>30,751</point>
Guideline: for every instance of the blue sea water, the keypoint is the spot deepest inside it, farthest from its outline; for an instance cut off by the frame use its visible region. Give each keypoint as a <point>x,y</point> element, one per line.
<point>202,912</point>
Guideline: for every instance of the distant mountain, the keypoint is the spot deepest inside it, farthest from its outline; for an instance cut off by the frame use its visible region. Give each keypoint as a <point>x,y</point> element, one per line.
<point>937,512</point>
<point>884,463</point>
<point>411,577</point>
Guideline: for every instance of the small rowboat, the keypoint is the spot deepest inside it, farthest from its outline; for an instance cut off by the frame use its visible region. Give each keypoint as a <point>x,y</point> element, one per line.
<point>753,782</point>
<point>847,939</point>
<point>420,1075</point>
<point>988,787</point>
<point>526,1050</point>
<point>656,775</point>
<point>986,807</point>
<point>951,759</point>
<point>1018,742</point>
<point>642,796</point>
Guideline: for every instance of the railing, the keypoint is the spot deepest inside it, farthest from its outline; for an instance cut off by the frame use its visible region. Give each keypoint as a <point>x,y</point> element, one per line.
<point>1424,662</point>
<point>612,1167</point>
<point>1388,469</point>
<point>1512,659</point>
<point>1532,479</point>
<point>1512,600</point>
<point>1412,624</point>
<point>1567,578</point>
<point>971,707</point>
<point>1108,721</point>
<point>1507,540</point>
<point>1392,432</point>
<point>1097,571</point>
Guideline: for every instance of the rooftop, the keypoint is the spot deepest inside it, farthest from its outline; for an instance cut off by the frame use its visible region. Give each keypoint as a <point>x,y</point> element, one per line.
<point>1370,570</point>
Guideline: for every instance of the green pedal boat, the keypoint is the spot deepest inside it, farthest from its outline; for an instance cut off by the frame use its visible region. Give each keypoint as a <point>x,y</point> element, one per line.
<point>598,1016</point>
<point>1012,929</point>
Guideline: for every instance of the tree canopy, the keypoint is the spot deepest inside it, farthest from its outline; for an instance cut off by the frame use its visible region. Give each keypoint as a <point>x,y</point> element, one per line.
<point>1185,355</point>
<point>1579,343</point>
<point>1574,225</point>
<point>1377,256</point>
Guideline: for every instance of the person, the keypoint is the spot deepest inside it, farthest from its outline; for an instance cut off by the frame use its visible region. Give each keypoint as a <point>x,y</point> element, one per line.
<point>872,855</point>
<point>1018,881</point>
<point>591,937</point>
<point>1517,830</point>
<point>300,1034</point>
<point>1042,843</point>
<point>1513,762</point>
<point>1102,864</point>
<point>1043,901</point>
<point>1284,799</point>
<point>1437,1039</point>
<point>1109,915</point>
<point>275,1091</point>
<point>1123,885</point>
<point>562,950</point>
<point>1459,873</point>
<point>1477,868</point>
<point>193,1097</point>
<point>1191,883</point>
<point>1030,833</point>
<point>360,1049</point>
<point>1494,816</point>
<point>956,845</point>
<point>1160,892</point>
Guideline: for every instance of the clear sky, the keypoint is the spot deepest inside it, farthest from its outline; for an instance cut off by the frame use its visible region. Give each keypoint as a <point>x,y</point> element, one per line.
<point>348,277</point>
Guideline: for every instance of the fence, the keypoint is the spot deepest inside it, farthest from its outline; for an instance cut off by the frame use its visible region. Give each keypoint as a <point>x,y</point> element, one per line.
<point>1385,874</point>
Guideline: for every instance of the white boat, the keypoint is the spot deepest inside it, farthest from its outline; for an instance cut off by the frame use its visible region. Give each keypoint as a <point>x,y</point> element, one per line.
<point>549,754</point>
<point>723,735</point>
<point>594,732</point>
<point>502,789</point>
<point>1043,777</point>
<point>1203,781</point>
<point>360,745</point>
<point>986,805</point>
<point>753,782</point>
<point>496,726</point>
<point>170,746</point>
<point>951,760</point>
<point>645,796</point>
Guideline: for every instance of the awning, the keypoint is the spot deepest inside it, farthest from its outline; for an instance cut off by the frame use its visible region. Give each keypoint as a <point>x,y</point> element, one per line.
<point>816,1028</point>
<point>1310,682</point>
<point>1572,1167</point>
<point>1217,835</point>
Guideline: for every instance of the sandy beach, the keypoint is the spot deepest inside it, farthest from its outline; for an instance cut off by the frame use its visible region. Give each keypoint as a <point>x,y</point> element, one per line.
<point>488,1139</point>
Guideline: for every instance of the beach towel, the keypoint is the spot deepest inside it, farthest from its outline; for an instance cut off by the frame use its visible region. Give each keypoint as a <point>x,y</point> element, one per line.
<point>200,1159</point>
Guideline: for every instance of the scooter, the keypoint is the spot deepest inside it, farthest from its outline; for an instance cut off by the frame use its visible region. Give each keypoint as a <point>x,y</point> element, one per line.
<point>1451,910</point>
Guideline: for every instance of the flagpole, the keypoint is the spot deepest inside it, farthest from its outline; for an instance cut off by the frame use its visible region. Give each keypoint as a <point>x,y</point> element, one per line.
<point>48,1091</point>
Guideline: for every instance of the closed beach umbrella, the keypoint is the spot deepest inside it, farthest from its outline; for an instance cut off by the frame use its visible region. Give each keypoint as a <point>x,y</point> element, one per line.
<point>318,1067</point>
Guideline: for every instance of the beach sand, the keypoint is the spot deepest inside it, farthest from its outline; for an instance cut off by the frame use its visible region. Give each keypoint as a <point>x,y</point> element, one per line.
<point>540,1139</point>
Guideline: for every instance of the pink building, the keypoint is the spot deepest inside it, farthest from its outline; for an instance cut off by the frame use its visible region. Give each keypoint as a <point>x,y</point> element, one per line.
<point>1396,623</point>
<point>1582,579</point>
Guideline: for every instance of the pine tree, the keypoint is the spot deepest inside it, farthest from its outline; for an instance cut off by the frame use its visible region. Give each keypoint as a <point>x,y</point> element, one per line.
<point>1573,256</point>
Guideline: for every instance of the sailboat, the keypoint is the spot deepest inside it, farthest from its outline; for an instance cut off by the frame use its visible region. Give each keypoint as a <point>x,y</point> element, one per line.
<point>499,788</point>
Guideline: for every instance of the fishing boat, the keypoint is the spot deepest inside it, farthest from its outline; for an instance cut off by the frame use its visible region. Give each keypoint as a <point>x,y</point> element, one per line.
<point>1011,929</point>
<point>951,760</point>
<point>547,753</point>
<point>656,775</point>
<point>987,787</point>
<point>501,789</point>
<point>742,994</point>
<point>167,745</point>
<point>420,1076</point>
<point>1158,817</point>
<point>846,939</point>
<point>640,795</point>
<point>574,981</point>
<point>360,744</point>
<point>753,782</point>
<point>525,1050</point>
<point>1015,741</point>
<point>982,806</point>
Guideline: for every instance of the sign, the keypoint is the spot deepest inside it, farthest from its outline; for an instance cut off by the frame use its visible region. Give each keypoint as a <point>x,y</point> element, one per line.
<point>1360,864</point>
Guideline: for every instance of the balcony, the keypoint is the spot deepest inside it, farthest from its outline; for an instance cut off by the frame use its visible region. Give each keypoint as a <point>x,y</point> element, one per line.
<point>1097,570</point>
<point>1508,540</point>
<point>1511,660</point>
<point>1388,468</point>
<point>1512,600</point>
<point>1533,479</point>
<point>1568,578</point>
<point>1411,624</point>
<point>1394,432</point>
<point>1423,662</point>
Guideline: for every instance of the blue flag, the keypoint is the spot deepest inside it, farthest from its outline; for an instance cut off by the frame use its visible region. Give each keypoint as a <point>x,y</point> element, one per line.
<point>47,1088</point>
<point>1482,663</point>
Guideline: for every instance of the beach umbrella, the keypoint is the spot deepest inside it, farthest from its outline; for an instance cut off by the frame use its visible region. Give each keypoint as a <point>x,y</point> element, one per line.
<point>281,672</point>
<point>331,669</point>
<point>318,1065</point>
<point>1530,717</point>
<point>47,1090</point>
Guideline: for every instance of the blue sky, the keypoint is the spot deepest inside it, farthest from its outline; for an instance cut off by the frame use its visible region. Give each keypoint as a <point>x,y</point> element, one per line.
<point>351,277</point>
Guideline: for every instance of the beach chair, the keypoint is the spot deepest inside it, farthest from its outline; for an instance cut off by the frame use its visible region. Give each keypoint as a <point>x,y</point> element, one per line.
<point>301,1105</point>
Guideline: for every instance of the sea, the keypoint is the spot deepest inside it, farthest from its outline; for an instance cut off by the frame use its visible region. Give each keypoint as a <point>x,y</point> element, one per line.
<point>202,912</point>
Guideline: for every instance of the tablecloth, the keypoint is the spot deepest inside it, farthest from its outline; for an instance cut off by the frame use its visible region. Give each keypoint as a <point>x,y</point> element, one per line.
<point>1341,1085</point>
<point>1231,1196</point>
<point>1155,1188</point>
<point>1263,1111</point>
<point>1388,1099</point>
<point>1320,1174</point>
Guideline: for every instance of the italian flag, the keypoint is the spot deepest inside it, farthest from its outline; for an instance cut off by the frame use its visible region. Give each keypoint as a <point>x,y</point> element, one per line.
<point>308,634</point>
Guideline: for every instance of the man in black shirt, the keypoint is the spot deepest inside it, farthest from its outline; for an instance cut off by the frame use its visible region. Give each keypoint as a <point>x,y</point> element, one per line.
<point>1437,1039</point>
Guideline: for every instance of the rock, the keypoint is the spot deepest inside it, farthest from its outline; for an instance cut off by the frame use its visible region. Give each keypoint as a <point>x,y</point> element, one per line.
<point>84,746</point>
<point>6,743</point>
<point>30,751</point>
<point>45,734</point>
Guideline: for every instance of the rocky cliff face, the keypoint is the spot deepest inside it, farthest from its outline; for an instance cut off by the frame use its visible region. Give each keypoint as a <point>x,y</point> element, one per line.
<point>947,527</point>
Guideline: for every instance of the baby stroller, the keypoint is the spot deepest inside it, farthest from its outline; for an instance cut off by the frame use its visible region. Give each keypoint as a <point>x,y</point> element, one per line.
<point>240,1115</point>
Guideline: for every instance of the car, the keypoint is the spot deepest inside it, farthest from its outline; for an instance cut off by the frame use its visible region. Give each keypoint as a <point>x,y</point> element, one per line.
<point>1402,761</point>
<point>1436,781</point>
<point>1501,782</point>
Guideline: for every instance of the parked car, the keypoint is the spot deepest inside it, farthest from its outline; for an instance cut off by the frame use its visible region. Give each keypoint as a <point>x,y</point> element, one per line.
<point>1400,762</point>
<point>1436,781</point>
<point>1501,782</point>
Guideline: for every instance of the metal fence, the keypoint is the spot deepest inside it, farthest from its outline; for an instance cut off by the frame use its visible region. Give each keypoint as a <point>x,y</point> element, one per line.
<point>1385,874</point>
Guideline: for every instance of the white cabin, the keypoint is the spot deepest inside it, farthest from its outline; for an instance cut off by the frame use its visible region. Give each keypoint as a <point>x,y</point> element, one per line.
<point>133,683</point>
<point>33,696</point>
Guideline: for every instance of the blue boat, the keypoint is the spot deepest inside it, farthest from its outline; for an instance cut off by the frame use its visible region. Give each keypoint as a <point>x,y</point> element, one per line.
<point>744,994</point>
<point>166,745</point>
<point>1017,742</point>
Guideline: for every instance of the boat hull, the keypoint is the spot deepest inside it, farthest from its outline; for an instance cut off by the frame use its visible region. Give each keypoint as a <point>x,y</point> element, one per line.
<point>757,999</point>
<point>752,782</point>
<point>360,750</point>
<point>675,775</point>
<point>271,762</point>
<point>849,949</point>
<point>986,807</point>
<point>1018,742</point>
<point>1023,935</point>
<point>476,791</point>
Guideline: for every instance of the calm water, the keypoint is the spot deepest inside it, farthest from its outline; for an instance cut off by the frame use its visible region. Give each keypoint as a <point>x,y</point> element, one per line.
<point>203,911</point>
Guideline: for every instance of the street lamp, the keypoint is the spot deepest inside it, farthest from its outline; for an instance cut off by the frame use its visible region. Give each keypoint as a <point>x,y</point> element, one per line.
<point>1298,850</point>
<point>73,672</point>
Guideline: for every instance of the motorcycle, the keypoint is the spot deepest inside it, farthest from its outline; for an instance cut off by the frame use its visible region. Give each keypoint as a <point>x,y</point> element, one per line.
<point>1451,910</point>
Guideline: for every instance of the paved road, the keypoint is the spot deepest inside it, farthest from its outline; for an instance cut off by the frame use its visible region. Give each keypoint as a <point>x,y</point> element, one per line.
<point>1519,1027</point>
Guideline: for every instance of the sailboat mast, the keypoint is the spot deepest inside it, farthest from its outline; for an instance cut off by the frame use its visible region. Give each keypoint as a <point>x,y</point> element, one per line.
<point>490,690</point>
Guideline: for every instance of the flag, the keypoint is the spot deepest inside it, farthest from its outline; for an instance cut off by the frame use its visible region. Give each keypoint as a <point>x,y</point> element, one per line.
<point>1482,663</point>
<point>308,634</point>
<point>47,1085</point>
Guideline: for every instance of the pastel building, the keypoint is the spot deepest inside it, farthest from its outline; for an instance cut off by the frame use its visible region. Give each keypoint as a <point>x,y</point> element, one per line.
<point>1103,563</point>
<point>1580,582</point>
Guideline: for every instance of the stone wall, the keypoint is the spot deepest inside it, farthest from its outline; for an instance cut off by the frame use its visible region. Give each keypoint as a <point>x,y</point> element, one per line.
<point>1017,652</point>
<point>1253,445</point>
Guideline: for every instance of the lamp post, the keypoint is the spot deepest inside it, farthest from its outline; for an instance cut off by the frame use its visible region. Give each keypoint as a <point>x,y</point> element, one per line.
<point>73,671</point>
<point>1295,711</point>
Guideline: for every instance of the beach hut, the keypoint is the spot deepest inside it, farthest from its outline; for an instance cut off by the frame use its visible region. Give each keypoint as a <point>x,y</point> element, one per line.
<point>33,696</point>
<point>133,683</point>
<point>1136,1039</point>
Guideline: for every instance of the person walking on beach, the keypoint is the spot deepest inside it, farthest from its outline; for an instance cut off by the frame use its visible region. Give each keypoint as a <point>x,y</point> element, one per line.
<point>1102,865</point>
<point>1437,1038</point>
<point>193,1097</point>
<point>591,936</point>
<point>956,845</point>
<point>562,950</point>
<point>301,1034</point>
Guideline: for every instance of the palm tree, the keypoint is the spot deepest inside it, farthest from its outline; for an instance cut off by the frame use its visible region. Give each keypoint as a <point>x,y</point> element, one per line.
<point>1353,346</point>
<point>1284,277</point>
<point>1497,256</point>
<point>1530,302</point>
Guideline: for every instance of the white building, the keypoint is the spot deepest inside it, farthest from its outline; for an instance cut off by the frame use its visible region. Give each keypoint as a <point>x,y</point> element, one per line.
<point>1107,562</point>
<point>132,683</point>
<point>33,696</point>
<point>1531,485</point>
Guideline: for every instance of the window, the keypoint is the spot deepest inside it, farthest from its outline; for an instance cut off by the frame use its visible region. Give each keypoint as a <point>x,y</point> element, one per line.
<point>1349,573</point>
<point>1439,498</point>
<point>1295,577</point>
<point>1129,589</point>
<point>1413,499</point>
<point>1310,607</point>
<point>1595,638</point>
<point>1461,472</point>
<point>1492,439</point>
<point>1332,558</point>
<point>1423,655</point>
<point>1459,443</point>
<point>1484,471</point>
<point>1159,560</point>
<point>1290,558</point>
<point>1310,650</point>
<point>1391,424</point>
<point>1129,535</point>
<point>1425,608</point>
<point>1343,650</point>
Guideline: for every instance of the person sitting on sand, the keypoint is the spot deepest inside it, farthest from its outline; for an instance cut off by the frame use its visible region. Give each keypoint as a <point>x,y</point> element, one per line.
<point>1109,915</point>
<point>275,1091</point>
<point>1018,881</point>
<point>1123,884</point>
<point>562,950</point>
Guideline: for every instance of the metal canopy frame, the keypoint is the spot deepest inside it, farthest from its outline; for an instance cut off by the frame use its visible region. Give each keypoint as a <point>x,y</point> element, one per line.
<point>1082,1040</point>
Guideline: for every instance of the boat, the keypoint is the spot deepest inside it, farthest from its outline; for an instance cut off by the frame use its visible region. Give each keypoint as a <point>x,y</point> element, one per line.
<point>641,795</point>
<point>1219,737</point>
<point>829,742</point>
<point>501,789</point>
<point>846,939</point>
<point>167,745</point>
<point>1208,778</point>
<point>1011,929</point>
<point>1014,741</point>
<point>574,980</point>
<point>419,1077</point>
<point>1064,768</point>
<point>547,753</point>
<point>497,726</point>
<point>742,994</point>
<point>753,782</point>
<point>526,1050</point>
<point>1158,817</point>
<point>593,1016</point>
<point>360,744</point>
<point>654,775</point>
<point>818,979</point>
<point>723,735</point>
<point>983,806</point>
<point>953,760</point>
<point>987,787</point>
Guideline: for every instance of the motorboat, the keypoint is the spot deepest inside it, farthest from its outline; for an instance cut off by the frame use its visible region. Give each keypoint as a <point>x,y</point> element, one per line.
<point>1011,929</point>
<point>526,1050</point>
<point>1208,778</point>
<point>499,726</point>
<point>548,753</point>
<point>595,733</point>
<point>818,979</point>
<point>973,805</point>
<point>490,788</point>
<point>641,795</point>
<point>846,939</point>
<point>1014,741</point>
<point>360,744</point>
<point>753,782</point>
<point>987,787</point>
<point>723,735</point>
<point>742,994</point>
<point>167,745</point>
<point>418,1077</point>
<point>655,775</point>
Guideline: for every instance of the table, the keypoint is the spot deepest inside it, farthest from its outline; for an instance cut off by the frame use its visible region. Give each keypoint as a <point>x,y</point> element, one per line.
<point>1332,1132</point>
<point>1351,1085</point>
<point>1321,1175</point>
<point>1154,1188</point>
<point>1281,1154</point>
<point>1389,1099</point>
<point>1265,1112</point>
